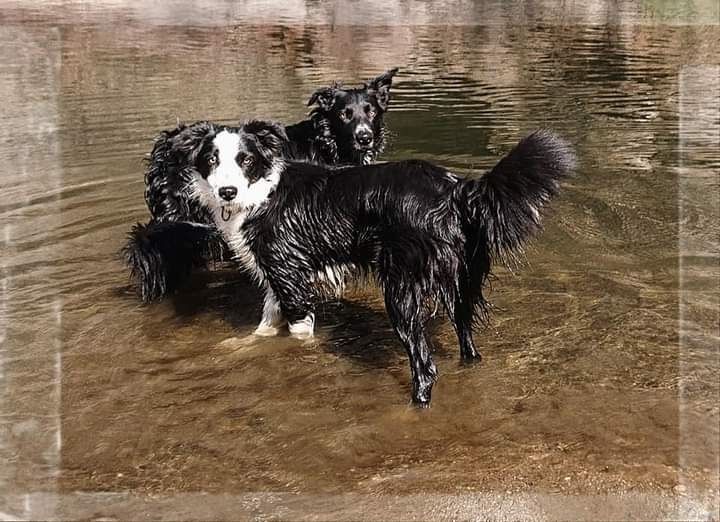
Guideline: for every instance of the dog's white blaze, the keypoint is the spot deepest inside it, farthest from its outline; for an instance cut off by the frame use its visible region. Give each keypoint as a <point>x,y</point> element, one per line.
<point>228,172</point>
<point>304,327</point>
<point>363,127</point>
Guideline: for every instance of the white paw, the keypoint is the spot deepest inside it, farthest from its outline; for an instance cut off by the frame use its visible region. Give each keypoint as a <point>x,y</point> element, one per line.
<point>303,329</point>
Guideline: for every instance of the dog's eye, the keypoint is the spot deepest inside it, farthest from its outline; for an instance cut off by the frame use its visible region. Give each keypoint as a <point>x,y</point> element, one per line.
<point>347,114</point>
<point>247,161</point>
<point>369,111</point>
<point>212,161</point>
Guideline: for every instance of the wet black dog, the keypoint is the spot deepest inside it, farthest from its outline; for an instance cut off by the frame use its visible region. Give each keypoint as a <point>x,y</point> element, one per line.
<point>428,236</point>
<point>346,126</point>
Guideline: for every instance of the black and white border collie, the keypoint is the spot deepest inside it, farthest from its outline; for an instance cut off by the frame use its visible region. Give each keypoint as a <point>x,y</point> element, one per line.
<point>428,236</point>
<point>345,126</point>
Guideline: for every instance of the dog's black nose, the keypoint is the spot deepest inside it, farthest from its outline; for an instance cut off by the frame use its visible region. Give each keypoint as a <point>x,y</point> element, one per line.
<point>227,193</point>
<point>364,137</point>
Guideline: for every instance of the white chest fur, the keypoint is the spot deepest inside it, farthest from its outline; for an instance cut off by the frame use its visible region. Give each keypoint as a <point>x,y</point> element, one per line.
<point>232,232</point>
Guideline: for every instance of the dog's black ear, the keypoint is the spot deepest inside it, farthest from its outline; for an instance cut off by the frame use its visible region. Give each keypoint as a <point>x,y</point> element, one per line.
<point>187,140</point>
<point>271,137</point>
<point>380,87</point>
<point>325,98</point>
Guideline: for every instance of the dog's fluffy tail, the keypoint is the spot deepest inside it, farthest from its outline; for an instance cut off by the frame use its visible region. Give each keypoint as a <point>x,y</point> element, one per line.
<point>507,202</point>
<point>160,255</point>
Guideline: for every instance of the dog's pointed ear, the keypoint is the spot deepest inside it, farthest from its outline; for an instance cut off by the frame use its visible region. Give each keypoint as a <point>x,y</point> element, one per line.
<point>324,98</point>
<point>271,137</point>
<point>380,87</point>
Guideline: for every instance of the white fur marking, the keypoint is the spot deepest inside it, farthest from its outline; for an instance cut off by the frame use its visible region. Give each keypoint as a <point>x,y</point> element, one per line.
<point>250,196</point>
<point>227,172</point>
<point>232,229</point>
<point>363,127</point>
<point>272,318</point>
<point>452,177</point>
<point>334,277</point>
<point>303,328</point>
<point>535,213</point>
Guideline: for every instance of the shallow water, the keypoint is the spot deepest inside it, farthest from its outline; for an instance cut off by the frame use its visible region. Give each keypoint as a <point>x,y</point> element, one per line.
<point>585,386</point>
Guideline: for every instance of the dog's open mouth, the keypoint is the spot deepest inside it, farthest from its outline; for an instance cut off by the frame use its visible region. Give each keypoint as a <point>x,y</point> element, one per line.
<point>226,213</point>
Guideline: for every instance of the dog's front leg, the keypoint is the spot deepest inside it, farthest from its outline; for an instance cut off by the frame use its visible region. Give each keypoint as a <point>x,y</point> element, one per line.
<point>272,317</point>
<point>296,307</point>
<point>303,328</point>
<point>289,299</point>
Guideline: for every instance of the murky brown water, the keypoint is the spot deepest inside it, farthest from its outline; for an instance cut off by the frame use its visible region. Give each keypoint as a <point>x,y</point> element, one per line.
<point>580,388</point>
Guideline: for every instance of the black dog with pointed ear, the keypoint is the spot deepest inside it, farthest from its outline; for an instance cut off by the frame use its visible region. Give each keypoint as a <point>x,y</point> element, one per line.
<point>380,88</point>
<point>324,138</point>
<point>349,123</point>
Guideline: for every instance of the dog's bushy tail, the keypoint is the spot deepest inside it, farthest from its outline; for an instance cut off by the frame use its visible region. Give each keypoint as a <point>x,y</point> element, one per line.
<point>160,255</point>
<point>505,205</point>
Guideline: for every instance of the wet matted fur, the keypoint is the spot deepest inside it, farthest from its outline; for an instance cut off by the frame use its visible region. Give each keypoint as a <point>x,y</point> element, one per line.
<point>345,126</point>
<point>427,236</point>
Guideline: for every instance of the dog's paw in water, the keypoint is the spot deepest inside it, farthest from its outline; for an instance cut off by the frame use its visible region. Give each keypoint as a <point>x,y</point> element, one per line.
<point>266,331</point>
<point>304,328</point>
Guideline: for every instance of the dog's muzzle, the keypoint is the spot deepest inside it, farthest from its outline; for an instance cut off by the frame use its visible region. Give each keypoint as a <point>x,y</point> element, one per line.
<point>228,193</point>
<point>364,138</point>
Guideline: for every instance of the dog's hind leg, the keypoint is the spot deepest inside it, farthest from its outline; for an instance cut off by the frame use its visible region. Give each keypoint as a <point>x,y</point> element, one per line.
<point>409,321</point>
<point>459,308</point>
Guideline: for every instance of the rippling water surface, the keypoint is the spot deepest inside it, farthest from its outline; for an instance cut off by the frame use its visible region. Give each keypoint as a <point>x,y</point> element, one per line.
<point>579,388</point>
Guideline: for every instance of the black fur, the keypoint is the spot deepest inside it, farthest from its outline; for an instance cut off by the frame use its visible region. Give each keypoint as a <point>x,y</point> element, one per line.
<point>324,138</point>
<point>428,237</point>
<point>190,245</point>
<point>330,134</point>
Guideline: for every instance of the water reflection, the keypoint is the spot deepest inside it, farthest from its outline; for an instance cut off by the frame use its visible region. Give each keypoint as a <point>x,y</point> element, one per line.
<point>580,371</point>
